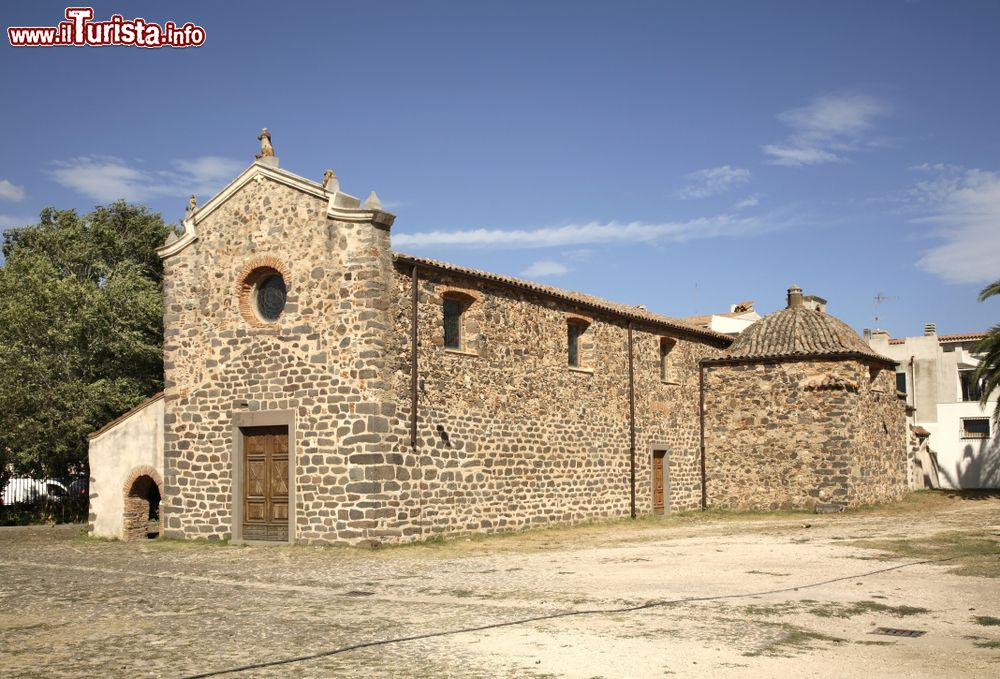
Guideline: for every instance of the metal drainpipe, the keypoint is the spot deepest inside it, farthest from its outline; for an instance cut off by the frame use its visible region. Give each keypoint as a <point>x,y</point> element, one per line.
<point>631,419</point>
<point>413,360</point>
<point>701,434</point>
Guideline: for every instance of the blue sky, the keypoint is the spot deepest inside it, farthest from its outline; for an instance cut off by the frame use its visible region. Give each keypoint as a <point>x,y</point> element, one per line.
<point>682,155</point>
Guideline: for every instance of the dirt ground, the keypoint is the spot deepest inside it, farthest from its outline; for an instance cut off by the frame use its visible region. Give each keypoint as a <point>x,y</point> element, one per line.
<point>702,595</point>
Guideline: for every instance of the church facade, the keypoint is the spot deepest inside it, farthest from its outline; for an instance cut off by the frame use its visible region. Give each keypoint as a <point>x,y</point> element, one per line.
<point>321,388</point>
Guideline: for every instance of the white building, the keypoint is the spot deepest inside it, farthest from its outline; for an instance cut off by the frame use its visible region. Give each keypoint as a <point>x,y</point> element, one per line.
<point>935,371</point>
<point>738,319</point>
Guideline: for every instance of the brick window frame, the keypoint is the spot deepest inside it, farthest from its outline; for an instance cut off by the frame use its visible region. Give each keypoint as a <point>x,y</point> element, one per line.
<point>667,359</point>
<point>252,273</point>
<point>585,348</point>
<point>471,339</point>
<point>874,378</point>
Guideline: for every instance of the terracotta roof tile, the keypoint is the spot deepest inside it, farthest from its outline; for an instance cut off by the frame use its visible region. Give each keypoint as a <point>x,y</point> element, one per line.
<point>957,337</point>
<point>800,331</point>
<point>580,298</point>
<point>962,337</point>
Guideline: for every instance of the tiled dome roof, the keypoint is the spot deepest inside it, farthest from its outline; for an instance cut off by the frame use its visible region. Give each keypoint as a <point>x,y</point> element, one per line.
<point>800,331</point>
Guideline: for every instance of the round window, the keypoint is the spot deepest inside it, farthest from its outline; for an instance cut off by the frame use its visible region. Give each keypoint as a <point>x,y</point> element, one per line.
<point>270,296</point>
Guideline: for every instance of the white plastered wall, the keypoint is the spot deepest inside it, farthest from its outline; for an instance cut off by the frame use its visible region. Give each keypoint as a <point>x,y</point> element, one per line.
<point>965,462</point>
<point>134,441</point>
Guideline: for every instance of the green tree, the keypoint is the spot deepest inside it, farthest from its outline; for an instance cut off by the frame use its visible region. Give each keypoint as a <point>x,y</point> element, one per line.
<point>81,310</point>
<point>989,360</point>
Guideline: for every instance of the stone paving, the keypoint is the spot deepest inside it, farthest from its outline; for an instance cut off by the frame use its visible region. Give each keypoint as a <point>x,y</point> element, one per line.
<point>74,606</point>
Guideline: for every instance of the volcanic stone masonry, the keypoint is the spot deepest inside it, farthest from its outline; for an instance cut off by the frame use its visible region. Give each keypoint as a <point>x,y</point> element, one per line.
<point>508,434</point>
<point>800,412</point>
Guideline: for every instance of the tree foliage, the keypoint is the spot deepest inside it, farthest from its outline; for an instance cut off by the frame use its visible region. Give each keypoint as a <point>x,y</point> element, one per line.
<point>81,310</point>
<point>989,360</point>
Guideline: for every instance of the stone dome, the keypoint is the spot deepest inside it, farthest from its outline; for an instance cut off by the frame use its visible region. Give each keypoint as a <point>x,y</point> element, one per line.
<point>801,329</point>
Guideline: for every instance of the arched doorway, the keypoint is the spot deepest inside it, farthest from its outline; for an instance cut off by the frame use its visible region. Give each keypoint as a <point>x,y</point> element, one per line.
<point>141,518</point>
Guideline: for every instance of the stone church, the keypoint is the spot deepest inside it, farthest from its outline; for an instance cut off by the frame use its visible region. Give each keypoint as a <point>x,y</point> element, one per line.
<point>322,388</point>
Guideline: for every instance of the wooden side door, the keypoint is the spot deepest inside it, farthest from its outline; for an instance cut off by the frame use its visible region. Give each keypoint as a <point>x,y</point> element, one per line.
<point>658,505</point>
<point>265,483</point>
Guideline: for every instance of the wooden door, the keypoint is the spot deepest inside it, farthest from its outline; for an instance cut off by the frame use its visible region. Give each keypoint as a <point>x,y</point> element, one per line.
<point>658,456</point>
<point>265,483</point>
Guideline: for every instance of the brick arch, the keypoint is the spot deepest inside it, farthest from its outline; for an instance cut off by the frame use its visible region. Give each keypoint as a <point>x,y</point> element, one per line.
<point>468,295</point>
<point>251,274</point>
<point>137,491</point>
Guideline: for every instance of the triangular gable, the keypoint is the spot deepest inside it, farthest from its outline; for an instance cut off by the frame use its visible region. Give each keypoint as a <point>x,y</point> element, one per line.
<point>255,170</point>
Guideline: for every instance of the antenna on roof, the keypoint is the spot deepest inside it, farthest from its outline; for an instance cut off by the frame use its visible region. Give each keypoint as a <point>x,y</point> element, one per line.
<point>879,298</point>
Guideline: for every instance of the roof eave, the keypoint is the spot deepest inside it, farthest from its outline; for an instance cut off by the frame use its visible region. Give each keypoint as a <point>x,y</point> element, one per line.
<point>788,358</point>
<point>719,339</point>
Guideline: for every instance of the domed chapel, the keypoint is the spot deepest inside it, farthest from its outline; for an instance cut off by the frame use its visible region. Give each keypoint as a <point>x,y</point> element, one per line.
<point>801,413</point>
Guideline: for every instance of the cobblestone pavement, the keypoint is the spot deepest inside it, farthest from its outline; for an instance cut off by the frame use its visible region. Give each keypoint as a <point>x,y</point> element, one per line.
<point>74,606</point>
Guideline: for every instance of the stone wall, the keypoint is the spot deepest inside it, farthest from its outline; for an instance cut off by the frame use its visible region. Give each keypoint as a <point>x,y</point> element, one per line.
<point>322,360</point>
<point>510,436</point>
<point>140,490</point>
<point>881,470</point>
<point>802,434</point>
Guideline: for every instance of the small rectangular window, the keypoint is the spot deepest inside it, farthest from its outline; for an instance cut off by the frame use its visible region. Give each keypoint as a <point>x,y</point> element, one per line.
<point>666,346</point>
<point>453,309</point>
<point>971,388</point>
<point>901,382</point>
<point>976,428</point>
<point>573,332</point>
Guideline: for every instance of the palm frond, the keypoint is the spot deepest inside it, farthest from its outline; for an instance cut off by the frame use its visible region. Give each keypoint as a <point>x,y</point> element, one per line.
<point>990,290</point>
<point>988,352</point>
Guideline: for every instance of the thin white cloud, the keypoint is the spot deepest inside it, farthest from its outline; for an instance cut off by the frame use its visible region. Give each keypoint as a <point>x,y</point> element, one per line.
<point>794,156</point>
<point>545,267</point>
<point>7,221</point>
<point>713,180</point>
<point>964,204</point>
<point>204,176</point>
<point>592,233</point>
<point>579,254</point>
<point>106,178</point>
<point>10,191</point>
<point>827,128</point>
<point>394,204</point>
<point>753,200</point>
<point>935,167</point>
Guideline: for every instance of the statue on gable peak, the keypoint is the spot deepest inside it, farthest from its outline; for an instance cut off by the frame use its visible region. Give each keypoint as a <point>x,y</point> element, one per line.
<point>266,149</point>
